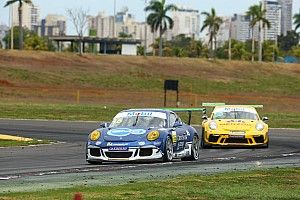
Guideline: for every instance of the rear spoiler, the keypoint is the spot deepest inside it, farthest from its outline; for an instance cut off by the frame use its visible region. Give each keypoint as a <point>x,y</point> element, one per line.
<point>223,104</point>
<point>188,110</point>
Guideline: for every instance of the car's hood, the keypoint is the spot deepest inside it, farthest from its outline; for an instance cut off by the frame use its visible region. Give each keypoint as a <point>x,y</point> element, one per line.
<point>236,125</point>
<point>125,134</point>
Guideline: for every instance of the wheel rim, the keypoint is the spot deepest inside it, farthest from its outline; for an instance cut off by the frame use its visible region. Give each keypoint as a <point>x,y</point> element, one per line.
<point>169,149</point>
<point>195,147</point>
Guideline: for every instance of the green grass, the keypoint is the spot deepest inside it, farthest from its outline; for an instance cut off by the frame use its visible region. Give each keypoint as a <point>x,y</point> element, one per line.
<point>260,184</point>
<point>106,113</point>
<point>12,143</point>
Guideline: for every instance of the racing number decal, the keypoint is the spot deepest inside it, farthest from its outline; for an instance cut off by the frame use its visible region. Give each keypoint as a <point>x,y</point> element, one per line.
<point>174,137</point>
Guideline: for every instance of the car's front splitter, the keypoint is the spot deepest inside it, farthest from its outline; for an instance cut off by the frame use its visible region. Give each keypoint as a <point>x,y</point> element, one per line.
<point>95,153</point>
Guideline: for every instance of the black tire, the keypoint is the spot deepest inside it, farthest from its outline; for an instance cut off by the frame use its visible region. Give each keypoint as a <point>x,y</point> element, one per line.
<point>265,146</point>
<point>203,143</point>
<point>195,150</point>
<point>168,150</point>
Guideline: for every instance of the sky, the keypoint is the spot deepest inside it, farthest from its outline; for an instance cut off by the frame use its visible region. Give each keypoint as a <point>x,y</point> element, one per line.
<point>223,7</point>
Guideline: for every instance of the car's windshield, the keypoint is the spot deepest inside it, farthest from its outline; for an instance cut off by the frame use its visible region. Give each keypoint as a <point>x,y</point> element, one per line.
<point>139,119</point>
<point>234,114</point>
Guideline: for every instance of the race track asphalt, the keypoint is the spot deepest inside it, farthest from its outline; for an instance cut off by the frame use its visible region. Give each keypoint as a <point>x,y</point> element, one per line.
<point>67,157</point>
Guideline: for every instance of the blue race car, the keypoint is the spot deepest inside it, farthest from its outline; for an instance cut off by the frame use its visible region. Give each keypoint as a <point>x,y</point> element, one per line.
<point>144,134</point>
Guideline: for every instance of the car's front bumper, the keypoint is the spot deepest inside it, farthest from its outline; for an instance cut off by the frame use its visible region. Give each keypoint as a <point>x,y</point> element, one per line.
<point>236,140</point>
<point>95,153</point>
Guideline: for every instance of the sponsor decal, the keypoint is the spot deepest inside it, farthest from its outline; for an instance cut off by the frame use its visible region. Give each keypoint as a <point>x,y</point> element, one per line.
<point>182,137</point>
<point>98,143</point>
<point>142,143</point>
<point>121,132</point>
<point>116,144</point>
<point>142,114</point>
<point>174,137</point>
<point>118,149</point>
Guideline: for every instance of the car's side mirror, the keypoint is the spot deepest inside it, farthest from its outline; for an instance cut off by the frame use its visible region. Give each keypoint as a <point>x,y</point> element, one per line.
<point>265,119</point>
<point>104,125</point>
<point>177,124</point>
<point>204,117</point>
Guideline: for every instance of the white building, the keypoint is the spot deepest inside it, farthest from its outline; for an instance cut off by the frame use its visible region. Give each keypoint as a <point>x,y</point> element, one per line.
<point>52,25</point>
<point>103,24</point>
<point>240,28</point>
<point>273,15</point>
<point>186,22</point>
<point>3,31</point>
<point>30,15</point>
<point>286,15</point>
<point>224,31</point>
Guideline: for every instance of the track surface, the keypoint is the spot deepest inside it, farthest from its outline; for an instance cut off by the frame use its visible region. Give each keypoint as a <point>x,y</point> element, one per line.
<point>68,157</point>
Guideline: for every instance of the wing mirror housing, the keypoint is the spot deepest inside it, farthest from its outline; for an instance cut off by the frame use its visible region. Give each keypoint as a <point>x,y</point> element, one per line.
<point>205,117</point>
<point>265,119</point>
<point>177,123</point>
<point>104,125</point>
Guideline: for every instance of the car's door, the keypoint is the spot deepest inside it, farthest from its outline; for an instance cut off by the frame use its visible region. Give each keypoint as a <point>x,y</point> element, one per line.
<point>179,134</point>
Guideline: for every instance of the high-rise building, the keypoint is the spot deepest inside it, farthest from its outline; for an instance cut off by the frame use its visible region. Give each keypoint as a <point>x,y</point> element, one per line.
<point>52,25</point>
<point>224,31</point>
<point>30,15</point>
<point>186,22</point>
<point>240,27</point>
<point>286,15</point>
<point>104,25</point>
<point>273,15</point>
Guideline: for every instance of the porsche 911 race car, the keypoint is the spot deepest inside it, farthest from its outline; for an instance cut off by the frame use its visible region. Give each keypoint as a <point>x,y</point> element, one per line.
<point>234,125</point>
<point>143,134</point>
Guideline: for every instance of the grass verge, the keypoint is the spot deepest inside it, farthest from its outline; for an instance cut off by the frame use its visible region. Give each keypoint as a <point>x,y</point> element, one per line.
<point>106,113</point>
<point>13,143</point>
<point>260,184</point>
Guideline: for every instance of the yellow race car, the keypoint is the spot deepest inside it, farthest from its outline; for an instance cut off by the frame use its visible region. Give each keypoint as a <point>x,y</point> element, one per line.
<point>234,125</point>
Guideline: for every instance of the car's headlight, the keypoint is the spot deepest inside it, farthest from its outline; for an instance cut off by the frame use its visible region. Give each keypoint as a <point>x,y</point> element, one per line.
<point>153,135</point>
<point>95,135</point>
<point>213,125</point>
<point>259,126</point>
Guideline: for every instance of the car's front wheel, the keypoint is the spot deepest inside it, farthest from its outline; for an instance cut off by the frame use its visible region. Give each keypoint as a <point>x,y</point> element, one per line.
<point>195,150</point>
<point>203,143</point>
<point>168,150</point>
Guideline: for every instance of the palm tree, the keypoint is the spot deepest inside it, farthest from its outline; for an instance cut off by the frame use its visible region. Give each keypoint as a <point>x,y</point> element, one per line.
<point>158,18</point>
<point>252,13</point>
<point>20,12</point>
<point>213,23</point>
<point>297,21</point>
<point>257,14</point>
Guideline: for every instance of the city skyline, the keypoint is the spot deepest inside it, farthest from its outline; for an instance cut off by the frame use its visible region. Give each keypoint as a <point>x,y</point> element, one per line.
<point>223,7</point>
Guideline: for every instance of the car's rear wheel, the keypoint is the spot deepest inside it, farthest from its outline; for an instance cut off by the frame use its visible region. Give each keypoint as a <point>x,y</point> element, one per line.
<point>168,150</point>
<point>194,151</point>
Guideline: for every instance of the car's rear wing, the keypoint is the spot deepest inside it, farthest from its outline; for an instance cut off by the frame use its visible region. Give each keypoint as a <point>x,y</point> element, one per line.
<point>223,104</point>
<point>188,110</point>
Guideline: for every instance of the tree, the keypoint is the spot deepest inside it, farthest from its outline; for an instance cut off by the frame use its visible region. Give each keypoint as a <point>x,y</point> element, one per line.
<point>159,20</point>
<point>270,51</point>
<point>297,21</point>
<point>252,13</point>
<point>213,23</point>
<point>16,35</point>
<point>79,18</point>
<point>287,42</point>
<point>257,14</point>
<point>124,35</point>
<point>20,13</point>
